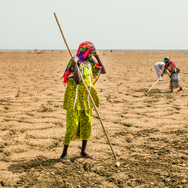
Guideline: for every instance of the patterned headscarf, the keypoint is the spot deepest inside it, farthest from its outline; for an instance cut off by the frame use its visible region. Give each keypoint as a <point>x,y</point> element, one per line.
<point>84,49</point>
<point>82,53</point>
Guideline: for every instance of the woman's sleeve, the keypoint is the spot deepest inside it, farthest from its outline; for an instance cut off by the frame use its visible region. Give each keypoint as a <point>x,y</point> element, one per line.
<point>96,68</point>
<point>71,75</point>
<point>95,71</point>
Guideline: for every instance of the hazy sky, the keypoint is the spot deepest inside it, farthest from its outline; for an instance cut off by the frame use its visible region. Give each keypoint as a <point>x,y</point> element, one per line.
<point>109,24</point>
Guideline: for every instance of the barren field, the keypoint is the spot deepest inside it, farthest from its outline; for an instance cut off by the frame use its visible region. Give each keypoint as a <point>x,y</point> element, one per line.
<point>148,133</point>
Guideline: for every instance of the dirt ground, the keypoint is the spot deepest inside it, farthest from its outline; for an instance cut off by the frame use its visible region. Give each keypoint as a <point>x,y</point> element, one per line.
<point>148,133</point>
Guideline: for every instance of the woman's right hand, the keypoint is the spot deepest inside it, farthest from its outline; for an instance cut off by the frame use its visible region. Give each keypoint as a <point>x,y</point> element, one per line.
<point>76,76</point>
<point>75,59</point>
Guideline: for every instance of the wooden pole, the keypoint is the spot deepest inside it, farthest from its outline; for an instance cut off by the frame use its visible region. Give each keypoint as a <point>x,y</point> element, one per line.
<point>152,86</point>
<point>156,83</point>
<point>87,90</point>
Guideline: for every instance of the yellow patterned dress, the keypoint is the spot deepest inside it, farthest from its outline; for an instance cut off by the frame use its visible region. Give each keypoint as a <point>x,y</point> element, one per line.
<point>79,106</point>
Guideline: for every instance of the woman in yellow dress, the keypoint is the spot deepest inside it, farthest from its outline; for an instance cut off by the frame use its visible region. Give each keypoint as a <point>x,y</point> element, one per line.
<point>76,99</point>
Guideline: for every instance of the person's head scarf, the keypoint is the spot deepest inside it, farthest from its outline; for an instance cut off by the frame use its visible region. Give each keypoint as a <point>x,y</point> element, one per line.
<point>168,59</point>
<point>84,49</point>
<point>82,53</point>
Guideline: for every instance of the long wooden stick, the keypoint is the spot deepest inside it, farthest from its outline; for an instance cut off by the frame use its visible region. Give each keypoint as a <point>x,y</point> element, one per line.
<point>153,86</point>
<point>86,88</point>
<point>156,83</point>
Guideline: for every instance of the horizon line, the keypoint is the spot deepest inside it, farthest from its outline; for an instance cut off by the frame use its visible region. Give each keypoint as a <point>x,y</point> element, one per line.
<point>97,50</point>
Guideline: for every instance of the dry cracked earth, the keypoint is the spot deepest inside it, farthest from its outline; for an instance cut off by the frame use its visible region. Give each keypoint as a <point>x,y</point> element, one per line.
<point>148,133</point>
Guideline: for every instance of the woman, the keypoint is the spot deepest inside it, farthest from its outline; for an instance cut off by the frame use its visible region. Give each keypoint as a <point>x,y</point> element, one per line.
<point>174,74</point>
<point>76,100</point>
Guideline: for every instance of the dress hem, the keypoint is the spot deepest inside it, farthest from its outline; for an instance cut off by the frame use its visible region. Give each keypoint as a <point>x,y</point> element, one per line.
<point>174,87</point>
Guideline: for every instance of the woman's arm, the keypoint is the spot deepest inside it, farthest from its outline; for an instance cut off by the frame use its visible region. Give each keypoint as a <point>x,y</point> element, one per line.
<point>103,70</point>
<point>171,74</point>
<point>163,72</point>
<point>76,76</point>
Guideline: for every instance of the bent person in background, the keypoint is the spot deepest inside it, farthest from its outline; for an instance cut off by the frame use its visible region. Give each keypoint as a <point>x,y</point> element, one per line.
<point>159,67</point>
<point>174,74</point>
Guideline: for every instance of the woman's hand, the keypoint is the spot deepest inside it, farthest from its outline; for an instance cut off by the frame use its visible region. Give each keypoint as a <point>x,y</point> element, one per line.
<point>103,70</point>
<point>76,76</point>
<point>95,55</point>
<point>170,75</point>
<point>163,72</point>
<point>75,59</point>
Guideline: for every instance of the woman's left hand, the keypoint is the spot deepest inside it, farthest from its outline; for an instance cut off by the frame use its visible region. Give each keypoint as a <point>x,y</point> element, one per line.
<point>95,54</point>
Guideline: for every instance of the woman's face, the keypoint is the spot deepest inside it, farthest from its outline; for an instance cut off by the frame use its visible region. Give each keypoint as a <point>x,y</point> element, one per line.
<point>166,60</point>
<point>90,54</point>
